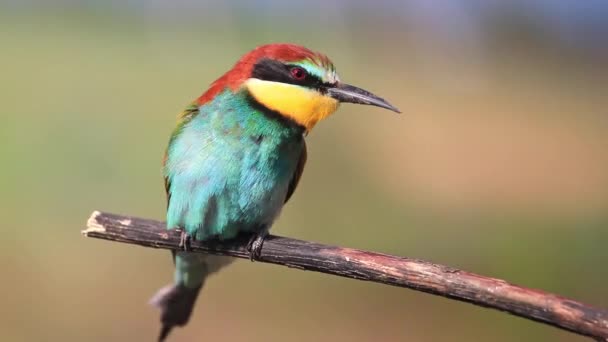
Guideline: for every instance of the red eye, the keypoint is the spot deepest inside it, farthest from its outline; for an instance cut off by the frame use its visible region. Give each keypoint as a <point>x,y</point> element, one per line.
<point>298,73</point>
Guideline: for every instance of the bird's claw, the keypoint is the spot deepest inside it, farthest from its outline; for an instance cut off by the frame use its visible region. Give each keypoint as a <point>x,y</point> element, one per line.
<point>185,241</point>
<point>254,247</point>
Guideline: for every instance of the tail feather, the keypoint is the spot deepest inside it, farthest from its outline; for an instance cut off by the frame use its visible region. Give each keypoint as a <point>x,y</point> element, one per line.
<point>176,302</point>
<point>164,332</point>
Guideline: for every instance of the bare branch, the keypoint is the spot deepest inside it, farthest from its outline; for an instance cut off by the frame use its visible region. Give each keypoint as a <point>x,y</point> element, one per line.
<point>415,274</point>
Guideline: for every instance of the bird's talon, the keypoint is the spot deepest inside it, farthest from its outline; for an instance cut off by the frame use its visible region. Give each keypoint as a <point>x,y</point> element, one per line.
<point>254,247</point>
<point>184,241</point>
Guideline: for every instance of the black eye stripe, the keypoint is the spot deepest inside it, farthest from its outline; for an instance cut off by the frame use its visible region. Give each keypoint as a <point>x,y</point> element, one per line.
<point>275,71</point>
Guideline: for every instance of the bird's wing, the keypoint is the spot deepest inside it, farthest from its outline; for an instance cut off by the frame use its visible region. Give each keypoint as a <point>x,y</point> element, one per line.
<point>182,119</point>
<point>168,193</point>
<point>293,184</point>
<point>167,182</point>
<point>167,187</point>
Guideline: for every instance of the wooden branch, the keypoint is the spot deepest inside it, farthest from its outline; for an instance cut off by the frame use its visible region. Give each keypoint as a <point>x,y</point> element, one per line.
<point>415,274</point>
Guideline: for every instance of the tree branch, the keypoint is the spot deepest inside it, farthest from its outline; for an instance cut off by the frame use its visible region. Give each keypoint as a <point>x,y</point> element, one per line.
<point>415,274</point>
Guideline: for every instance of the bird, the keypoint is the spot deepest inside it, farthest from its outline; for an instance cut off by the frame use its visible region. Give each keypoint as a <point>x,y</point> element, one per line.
<point>236,156</point>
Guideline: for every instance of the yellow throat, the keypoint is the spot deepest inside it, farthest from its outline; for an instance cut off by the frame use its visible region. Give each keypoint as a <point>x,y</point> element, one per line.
<point>304,106</point>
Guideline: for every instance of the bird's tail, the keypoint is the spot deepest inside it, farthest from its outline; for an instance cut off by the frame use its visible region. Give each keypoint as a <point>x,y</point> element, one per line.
<point>176,301</point>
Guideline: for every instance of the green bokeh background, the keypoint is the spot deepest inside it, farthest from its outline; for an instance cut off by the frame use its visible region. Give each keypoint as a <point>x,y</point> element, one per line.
<point>499,166</point>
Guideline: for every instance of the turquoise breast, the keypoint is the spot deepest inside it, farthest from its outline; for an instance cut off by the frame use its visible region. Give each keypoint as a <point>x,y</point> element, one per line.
<point>229,167</point>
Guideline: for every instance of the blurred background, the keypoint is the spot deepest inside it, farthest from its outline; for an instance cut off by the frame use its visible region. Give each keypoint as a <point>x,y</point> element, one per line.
<point>499,164</point>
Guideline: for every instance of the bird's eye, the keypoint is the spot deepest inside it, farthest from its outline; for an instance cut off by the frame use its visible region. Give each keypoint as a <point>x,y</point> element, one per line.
<point>298,73</point>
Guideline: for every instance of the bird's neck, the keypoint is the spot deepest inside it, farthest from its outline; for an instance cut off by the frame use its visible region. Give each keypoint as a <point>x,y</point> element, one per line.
<point>237,113</point>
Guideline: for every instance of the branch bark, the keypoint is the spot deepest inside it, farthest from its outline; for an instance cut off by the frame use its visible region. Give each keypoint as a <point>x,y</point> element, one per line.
<point>414,274</point>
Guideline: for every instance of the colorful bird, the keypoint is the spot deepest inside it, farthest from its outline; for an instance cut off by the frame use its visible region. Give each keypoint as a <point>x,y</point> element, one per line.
<point>237,154</point>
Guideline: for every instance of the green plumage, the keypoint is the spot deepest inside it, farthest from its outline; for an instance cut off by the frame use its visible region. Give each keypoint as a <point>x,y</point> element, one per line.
<point>230,167</point>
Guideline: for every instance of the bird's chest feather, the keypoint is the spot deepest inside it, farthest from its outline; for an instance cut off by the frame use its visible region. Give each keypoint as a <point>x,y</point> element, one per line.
<point>229,173</point>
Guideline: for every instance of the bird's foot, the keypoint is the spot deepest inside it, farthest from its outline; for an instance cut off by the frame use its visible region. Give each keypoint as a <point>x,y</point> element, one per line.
<point>185,241</point>
<point>254,247</point>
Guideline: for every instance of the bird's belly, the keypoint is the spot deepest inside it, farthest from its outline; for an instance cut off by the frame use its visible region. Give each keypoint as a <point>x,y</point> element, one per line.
<point>222,195</point>
<point>259,199</point>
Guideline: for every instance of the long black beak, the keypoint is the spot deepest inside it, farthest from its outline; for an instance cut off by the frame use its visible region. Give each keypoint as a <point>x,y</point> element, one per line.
<point>351,94</point>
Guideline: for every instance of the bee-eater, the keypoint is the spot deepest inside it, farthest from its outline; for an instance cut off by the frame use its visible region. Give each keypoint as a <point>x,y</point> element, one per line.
<point>237,154</point>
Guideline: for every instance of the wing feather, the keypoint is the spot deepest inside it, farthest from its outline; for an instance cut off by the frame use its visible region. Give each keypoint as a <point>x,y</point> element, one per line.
<point>293,184</point>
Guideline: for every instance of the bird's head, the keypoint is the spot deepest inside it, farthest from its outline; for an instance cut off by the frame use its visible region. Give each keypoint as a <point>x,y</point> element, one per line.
<point>293,81</point>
